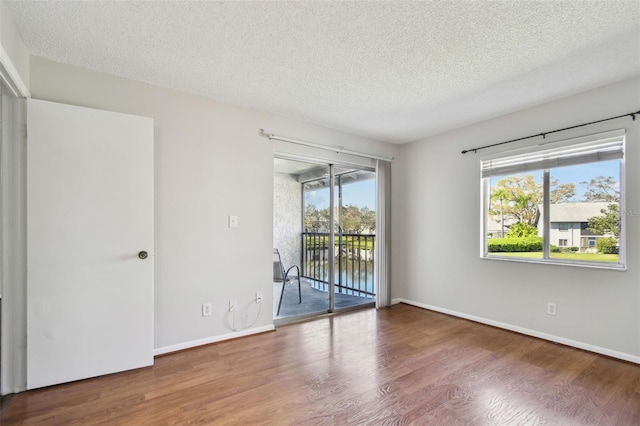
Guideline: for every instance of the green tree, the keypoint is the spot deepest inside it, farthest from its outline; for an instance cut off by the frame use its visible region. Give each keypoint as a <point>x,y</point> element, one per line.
<point>501,195</point>
<point>607,245</point>
<point>522,195</point>
<point>315,220</point>
<point>519,197</point>
<point>602,189</point>
<point>351,221</point>
<point>522,230</point>
<point>356,220</point>
<point>608,222</point>
<point>561,193</point>
<point>368,219</point>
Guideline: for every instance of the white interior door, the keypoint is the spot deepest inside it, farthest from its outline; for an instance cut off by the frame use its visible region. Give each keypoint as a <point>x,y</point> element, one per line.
<point>90,214</point>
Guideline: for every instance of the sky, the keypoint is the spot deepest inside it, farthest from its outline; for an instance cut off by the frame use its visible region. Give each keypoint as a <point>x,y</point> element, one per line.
<point>361,194</point>
<point>584,173</point>
<point>577,174</point>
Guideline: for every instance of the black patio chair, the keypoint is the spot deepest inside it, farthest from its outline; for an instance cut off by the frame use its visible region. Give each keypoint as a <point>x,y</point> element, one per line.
<point>284,275</point>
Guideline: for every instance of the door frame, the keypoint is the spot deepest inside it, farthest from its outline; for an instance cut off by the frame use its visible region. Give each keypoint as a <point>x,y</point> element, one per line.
<point>330,164</point>
<point>13,228</point>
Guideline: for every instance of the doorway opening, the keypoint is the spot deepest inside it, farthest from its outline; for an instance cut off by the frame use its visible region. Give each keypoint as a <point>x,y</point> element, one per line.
<point>324,223</point>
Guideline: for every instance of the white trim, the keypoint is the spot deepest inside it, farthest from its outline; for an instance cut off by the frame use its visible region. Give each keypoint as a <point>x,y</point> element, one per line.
<point>485,192</point>
<point>397,300</point>
<point>14,268</point>
<point>559,156</point>
<point>332,247</point>
<point>556,143</point>
<point>622,206</point>
<point>557,339</point>
<point>382,264</point>
<point>336,149</point>
<point>320,161</point>
<point>558,262</point>
<point>214,339</point>
<point>546,220</point>
<point>11,77</point>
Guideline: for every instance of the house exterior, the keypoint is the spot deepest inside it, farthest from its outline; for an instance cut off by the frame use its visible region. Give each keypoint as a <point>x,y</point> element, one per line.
<point>495,227</point>
<point>569,225</point>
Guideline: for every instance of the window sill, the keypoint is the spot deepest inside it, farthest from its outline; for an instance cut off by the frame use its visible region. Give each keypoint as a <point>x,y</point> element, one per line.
<point>591,265</point>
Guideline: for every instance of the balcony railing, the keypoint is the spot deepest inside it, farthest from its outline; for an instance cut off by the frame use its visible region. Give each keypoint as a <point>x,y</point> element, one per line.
<point>353,263</point>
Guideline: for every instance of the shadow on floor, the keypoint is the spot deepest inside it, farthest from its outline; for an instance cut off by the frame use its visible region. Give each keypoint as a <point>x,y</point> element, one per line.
<point>313,300</point>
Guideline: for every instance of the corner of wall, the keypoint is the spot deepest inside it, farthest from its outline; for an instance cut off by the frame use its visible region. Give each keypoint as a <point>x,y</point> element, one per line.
<point>14,55</point>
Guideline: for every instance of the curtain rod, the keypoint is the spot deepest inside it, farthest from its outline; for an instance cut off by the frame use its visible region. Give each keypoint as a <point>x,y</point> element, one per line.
<point>544,134</point>
<point>336,149</point>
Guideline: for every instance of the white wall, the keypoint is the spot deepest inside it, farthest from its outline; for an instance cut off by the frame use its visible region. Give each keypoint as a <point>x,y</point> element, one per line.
<point>287,218</point>
<point>440,211</point>
<point>572,235</point>
<point>210,162</point>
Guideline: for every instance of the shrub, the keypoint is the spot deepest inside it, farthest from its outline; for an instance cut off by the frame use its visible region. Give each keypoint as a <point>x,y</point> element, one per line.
<point>569,249</point>
<point>522,230</point>
<point>607,245</point>
<point>555,249</point>
<point>508,245</point>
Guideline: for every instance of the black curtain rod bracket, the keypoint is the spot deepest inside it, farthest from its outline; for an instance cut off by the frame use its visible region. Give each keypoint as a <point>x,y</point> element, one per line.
<point>544,134</point>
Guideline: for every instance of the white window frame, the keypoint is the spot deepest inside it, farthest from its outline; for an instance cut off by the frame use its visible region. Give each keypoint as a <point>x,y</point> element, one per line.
<point>538,158</point>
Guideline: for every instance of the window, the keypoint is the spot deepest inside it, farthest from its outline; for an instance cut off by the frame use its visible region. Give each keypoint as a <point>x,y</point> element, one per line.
<point>569,192</point>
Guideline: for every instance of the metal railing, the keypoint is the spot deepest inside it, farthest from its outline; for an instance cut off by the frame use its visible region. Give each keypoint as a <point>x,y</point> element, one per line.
<point>354,262</point>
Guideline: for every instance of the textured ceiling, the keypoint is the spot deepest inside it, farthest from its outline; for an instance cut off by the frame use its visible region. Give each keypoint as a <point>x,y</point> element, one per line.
<point>395,71</point>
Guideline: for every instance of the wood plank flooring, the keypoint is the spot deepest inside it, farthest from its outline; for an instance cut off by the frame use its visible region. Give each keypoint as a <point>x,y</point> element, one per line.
<point>402,365</point>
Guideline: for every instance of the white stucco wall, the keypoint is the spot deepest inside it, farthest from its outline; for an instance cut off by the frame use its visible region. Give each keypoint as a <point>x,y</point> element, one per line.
<point>572,235</point>
<point>287,218</point>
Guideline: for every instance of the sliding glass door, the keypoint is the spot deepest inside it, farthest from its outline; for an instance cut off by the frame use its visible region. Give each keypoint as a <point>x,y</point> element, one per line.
<point>356,236</point>
<point>338,256</point>
<point>324,223</point>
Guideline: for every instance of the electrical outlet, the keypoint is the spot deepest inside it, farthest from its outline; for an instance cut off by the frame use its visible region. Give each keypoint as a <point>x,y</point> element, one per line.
<point>551,308</point>
<point>233,305</point>
<point>206,309</point>
<point>259,297</point>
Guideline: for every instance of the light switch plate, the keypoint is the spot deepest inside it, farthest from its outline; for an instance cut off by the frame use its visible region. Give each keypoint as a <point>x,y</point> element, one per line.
<point>233,221</point>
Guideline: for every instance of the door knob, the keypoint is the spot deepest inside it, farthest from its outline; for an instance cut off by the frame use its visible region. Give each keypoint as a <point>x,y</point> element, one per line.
<point>143,255</point>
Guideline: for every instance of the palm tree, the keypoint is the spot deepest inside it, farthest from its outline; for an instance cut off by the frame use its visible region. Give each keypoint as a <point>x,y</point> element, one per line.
<point>500,194</point>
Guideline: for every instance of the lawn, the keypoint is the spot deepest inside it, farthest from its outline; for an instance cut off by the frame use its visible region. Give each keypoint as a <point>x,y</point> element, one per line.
<point>581,257</point>
<point>362,242</point>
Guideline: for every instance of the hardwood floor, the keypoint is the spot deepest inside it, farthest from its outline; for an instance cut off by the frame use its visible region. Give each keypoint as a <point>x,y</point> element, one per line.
<point>401,365</point>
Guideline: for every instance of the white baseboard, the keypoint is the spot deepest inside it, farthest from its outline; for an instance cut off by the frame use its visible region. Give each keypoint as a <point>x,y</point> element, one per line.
<point>214,339</point>
<point>580,345</point>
